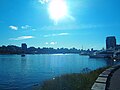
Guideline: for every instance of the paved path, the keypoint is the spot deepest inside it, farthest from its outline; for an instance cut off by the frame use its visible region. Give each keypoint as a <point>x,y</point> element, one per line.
<point>115,81</point>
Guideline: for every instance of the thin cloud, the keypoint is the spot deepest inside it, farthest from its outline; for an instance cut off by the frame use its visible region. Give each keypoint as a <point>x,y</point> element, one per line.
<point>72,27</point>
<point>27,27</point>
<point>13,27</point>
<point>60,34</point>
<point>33,29</point>
<point>22,38</point>
<point>46,43</point>
<point>63,34</point>
<point>53,43</point>
<point>43,1</point>
<point>71,17</point>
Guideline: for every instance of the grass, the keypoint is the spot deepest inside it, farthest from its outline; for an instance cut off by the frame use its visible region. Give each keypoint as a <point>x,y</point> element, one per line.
<point>72,81</point>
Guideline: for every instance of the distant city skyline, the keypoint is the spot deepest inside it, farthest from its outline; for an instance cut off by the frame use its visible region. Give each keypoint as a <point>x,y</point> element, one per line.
<point>81,23</point>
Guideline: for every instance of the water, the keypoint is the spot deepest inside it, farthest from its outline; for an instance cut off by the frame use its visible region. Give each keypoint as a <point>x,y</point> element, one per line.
<point>21,73</point>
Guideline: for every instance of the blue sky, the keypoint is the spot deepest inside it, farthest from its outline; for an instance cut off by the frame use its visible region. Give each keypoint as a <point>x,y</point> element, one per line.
<point>88,24</point>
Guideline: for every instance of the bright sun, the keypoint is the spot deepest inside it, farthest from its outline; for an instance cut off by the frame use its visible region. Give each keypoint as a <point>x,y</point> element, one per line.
<point>57,9</point>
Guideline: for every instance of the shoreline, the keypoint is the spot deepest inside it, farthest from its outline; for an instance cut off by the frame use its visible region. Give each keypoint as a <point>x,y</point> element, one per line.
<point>74,81</point>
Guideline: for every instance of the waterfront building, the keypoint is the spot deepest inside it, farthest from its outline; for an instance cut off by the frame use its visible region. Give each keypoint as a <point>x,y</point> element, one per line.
<point>24,46</point>
<point>110,42</point>
<point>117,47</point>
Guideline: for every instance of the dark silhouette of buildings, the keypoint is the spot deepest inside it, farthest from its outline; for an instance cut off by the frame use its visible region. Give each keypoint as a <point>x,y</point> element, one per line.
<point>117,47</point>
<point>11,49</point>
<point>110,42</point>
<point>24,47</point>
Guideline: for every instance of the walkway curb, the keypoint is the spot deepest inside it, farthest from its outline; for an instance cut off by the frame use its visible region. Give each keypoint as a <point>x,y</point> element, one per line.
<point>103,80</point>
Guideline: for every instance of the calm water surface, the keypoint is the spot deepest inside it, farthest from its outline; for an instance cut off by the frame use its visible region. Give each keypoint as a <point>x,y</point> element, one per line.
<point>21,73</point>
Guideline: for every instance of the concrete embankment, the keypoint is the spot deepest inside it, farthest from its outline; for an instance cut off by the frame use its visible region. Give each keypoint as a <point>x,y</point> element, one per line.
<point>107,79</point>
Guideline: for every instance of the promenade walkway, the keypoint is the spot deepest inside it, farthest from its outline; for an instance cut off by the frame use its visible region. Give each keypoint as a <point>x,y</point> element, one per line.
<point>108,80</point>
<point>115,81</point>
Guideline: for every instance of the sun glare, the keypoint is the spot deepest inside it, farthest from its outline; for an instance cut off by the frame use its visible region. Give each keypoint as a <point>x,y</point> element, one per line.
<point>57,9</point>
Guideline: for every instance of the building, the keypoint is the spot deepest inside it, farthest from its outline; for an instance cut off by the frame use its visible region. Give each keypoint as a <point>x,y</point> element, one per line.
<point>117,47</point>
<point>24,47</point>
<point>110,42</point>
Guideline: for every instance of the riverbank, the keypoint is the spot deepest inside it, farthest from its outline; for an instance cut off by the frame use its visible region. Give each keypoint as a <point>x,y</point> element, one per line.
<point>71,81</point>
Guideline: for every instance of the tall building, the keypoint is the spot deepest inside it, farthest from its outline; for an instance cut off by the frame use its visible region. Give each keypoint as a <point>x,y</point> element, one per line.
<point>110,42</point>
<point>24,46</point>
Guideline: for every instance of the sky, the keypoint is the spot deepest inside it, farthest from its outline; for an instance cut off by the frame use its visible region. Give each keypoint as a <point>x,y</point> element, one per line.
<point>66,23</point>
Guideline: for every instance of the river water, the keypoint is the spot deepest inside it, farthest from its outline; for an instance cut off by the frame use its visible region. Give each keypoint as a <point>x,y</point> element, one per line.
<point>21,73</point>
